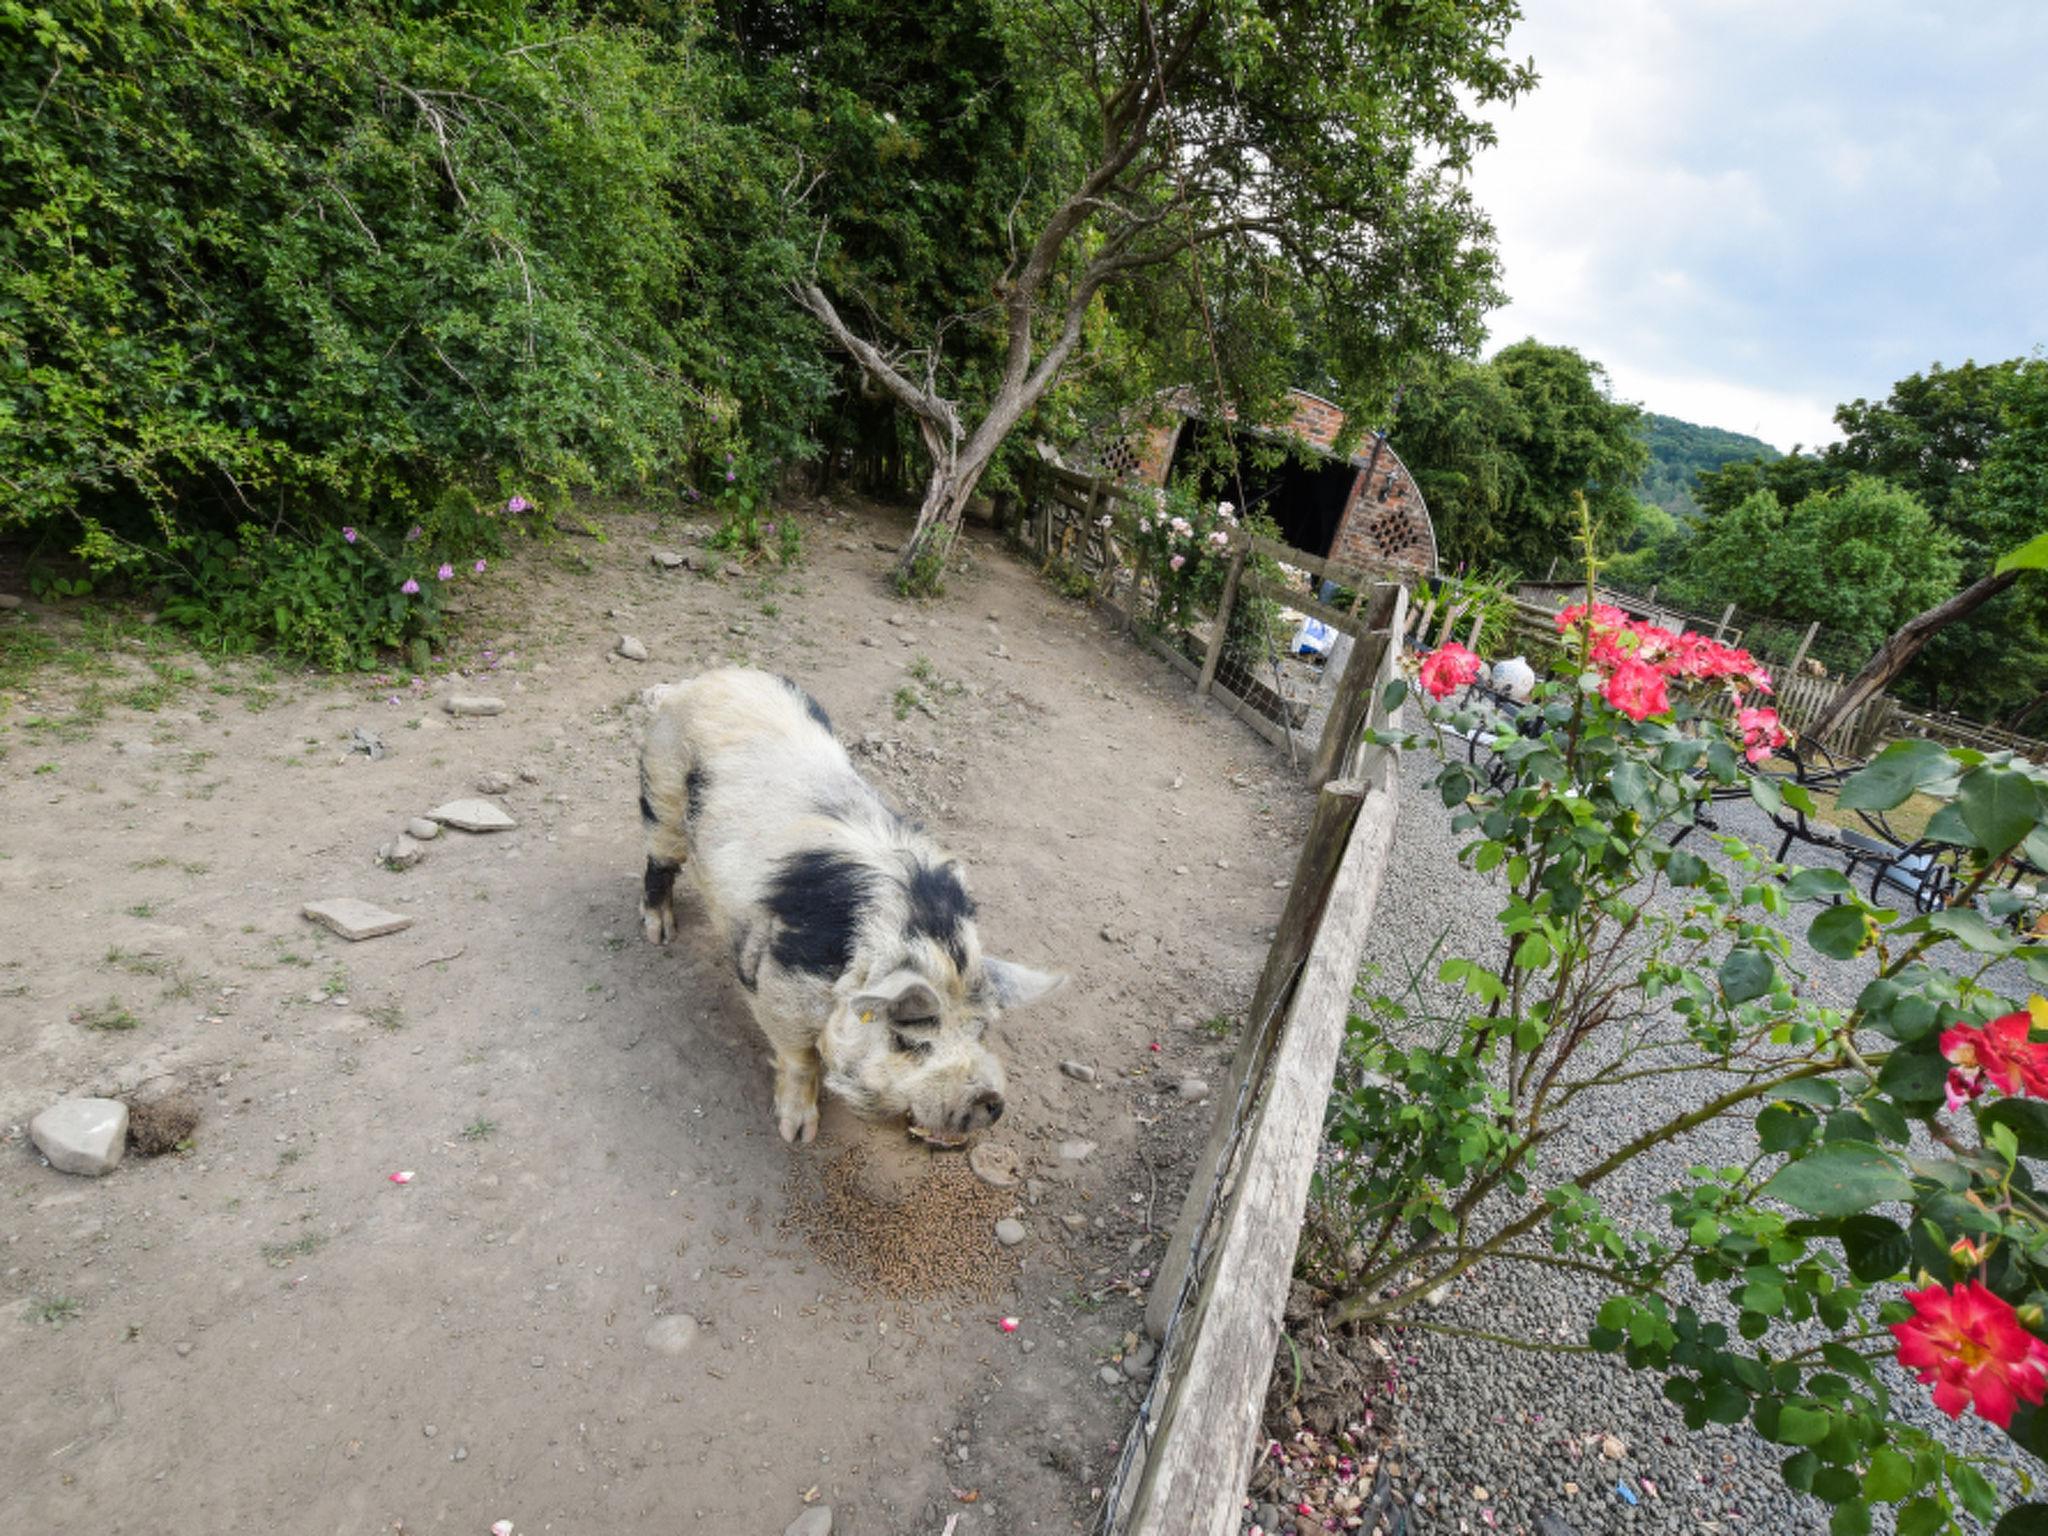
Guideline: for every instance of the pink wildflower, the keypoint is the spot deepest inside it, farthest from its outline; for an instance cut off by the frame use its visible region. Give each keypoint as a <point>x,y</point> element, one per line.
<point>410,587</point>
<point>349,534</point>
<point>518,504</point>
<point>1178,561</point>
<point>417,530</point>
<point>479,567</point>
<point>447,572</point>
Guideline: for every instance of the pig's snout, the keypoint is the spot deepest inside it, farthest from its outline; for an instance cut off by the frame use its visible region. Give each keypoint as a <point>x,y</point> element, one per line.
<point>983,1112</point>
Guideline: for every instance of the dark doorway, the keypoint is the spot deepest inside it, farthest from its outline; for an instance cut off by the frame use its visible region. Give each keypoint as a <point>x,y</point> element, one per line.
<point>1306,500</point>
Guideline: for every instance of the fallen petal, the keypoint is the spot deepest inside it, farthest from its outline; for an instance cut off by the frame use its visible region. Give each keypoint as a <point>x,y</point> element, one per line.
<point>1008,1324</point>
<point>405,1177</point>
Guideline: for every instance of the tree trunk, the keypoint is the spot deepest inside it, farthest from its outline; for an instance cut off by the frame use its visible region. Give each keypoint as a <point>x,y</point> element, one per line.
<point>1897,653</point>
<point>2026,711</point>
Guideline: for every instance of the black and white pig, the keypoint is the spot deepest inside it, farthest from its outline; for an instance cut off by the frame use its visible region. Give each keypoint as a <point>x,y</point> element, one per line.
<point>850,929</point>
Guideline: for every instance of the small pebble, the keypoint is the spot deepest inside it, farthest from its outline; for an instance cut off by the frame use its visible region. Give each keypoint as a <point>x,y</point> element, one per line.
<point>1010,1232</point>
<point>1079,1071</point>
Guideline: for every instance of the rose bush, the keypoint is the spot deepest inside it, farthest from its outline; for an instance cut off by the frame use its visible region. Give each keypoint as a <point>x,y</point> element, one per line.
<point>1884,1206</point>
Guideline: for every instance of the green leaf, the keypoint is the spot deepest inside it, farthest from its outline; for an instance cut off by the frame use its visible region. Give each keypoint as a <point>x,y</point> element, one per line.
<point>1394,695</point>
<point>1764,792</point>
<point>1746,974</point>
<point>1894,774</point>
<point>2030,556</point>
<point>2023,1519</point>
<point>1922,1517</point>
<point>1839,932</point>
<point>1890,1477</point>
<point>1798,1470</point>
<point>2000,806</point>
<point>1876,1248</point>
<point>1971,931</point>
<point>2027,1119</point>
<point>1817,885</point>
<point>1725,1402</point>
<point>1850,1519</point>
<point>1781,1128</point>
<point>1686,869</point>
<point>1844,1178</point>
<point>1811,1090</point>
<point>1973,1489</point>
<point>1799,1425</point>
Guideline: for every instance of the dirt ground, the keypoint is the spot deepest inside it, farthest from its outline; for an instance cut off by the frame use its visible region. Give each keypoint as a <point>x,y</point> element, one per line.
<point>263,1332</point>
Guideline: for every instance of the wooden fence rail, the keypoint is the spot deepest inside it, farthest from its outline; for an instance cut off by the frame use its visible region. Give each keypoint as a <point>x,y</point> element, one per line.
<point>1219,1293</point>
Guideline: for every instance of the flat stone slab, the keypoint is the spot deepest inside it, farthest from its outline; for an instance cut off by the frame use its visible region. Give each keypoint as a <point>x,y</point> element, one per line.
<point>672,1335</point>
<point>84,1136</point>
<point>472,816</point>
<point>355,920</point>
<point>474,704</point>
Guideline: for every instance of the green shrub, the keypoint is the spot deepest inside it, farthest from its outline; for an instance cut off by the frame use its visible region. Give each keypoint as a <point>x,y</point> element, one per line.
<point>267,270</point>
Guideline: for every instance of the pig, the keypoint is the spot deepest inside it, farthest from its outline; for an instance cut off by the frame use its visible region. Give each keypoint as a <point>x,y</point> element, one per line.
<point>851,931</point>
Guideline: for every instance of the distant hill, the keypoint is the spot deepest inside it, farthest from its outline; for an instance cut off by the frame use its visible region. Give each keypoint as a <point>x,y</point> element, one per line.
<point>1679,450</point>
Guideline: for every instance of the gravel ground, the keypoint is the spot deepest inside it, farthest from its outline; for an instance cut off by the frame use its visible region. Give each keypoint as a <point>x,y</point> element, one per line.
<point>1527,1428</point>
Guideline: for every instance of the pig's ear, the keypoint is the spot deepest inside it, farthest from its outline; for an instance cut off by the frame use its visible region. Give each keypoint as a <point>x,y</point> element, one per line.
<point>1015,986</point>
<point>901,996</point>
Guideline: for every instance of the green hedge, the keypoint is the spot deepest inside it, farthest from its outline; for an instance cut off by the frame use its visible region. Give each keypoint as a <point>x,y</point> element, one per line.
<point>272,267</point>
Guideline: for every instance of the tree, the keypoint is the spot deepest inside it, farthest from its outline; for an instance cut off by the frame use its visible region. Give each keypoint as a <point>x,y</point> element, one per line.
<point>1501,448</point>
<point>1214,159</point>
<point>1861,558</point>
<point>1680,451</point>
<point>2007,498</point>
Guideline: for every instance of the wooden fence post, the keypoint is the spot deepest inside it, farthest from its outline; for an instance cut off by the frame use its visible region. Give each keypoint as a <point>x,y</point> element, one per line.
<point>1194,1477</point>
<point>1478,623</point>
<point>1354,701</point>
<point>1224,604</point>
<point>1800,655</point>
<point>1329,833</point>
<point>1721,628</point>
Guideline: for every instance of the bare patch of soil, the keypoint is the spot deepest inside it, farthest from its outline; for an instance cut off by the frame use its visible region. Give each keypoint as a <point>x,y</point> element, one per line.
<point>267,1332</point>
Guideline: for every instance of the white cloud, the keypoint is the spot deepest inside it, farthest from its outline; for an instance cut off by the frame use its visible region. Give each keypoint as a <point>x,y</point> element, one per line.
<point>1750,211</point>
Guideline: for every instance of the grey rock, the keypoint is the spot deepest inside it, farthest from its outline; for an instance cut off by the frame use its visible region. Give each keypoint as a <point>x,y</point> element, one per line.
<point>472,816</point>
<point>1193,1089</point>
<point>401,852</point>
<point>1074,1222</point>
<point>815,1521</point>
<point>1110,1376</point>
<point>494,783</point>
<point>1138,1363</point>
<point>367,742</point>
<point>184,1348</point>
<point>632,648</point>
<point>85,1136</point>
<point>671,1335</point>
<point>698,558</point>
<point>9,601</point>
<point>423,829</point>
<point>355,920</point>
<point>1550,1523</point>
<point>473,704</point>
<point>667,559</point>
<point>1010,1232</point>
<point>1079,1071</point>
<point>994,1164</point>
<point>1076,1151</point>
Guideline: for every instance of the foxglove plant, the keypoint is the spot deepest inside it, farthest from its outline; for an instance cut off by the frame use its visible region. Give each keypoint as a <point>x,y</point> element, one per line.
<point>1883,1206</point>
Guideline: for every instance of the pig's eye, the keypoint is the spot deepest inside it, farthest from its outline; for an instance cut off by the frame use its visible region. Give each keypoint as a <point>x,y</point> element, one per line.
<point>909,1045</point>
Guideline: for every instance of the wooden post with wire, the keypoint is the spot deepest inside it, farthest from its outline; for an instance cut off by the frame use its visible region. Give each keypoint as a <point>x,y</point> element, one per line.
<point>1355,701</point>
<point>1221,628</point>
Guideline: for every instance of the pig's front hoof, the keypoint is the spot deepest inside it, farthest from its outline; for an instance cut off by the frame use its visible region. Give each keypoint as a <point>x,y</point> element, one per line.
<point>659,923</point>
<point>798,1125</point>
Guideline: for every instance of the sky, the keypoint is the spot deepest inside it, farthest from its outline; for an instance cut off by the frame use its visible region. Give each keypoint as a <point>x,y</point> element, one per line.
<point>1752,210</point>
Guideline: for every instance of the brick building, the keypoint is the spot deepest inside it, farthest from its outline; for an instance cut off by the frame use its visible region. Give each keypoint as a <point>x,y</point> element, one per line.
<point>1363,511</point>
